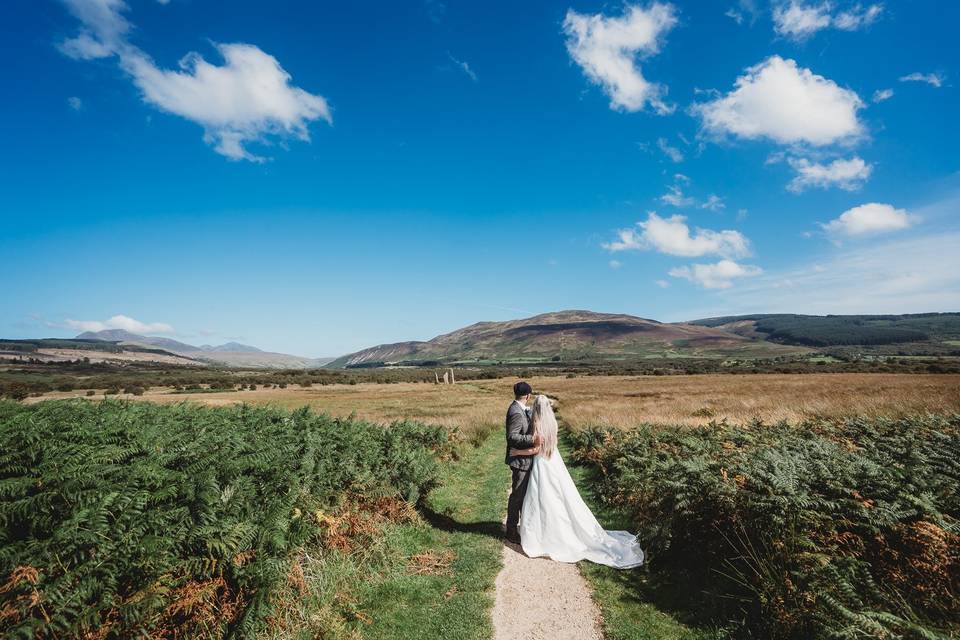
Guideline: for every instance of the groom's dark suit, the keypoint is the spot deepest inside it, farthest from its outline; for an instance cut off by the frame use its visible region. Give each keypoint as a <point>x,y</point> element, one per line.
<point>519,436</point>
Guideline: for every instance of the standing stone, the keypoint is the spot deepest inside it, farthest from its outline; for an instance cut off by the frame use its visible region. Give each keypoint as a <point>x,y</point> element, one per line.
<point>452,379</point>
<point>446,378</point>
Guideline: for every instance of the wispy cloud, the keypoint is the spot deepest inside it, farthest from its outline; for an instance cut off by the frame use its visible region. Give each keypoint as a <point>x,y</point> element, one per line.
<point>75,103</point>
<point>932,79</point>
<point>119,322</point>
<point>880,95</point>
<point>799,20</point>
<point>463,66</point>
<point>673,153</point>
<point>848,175</point>
<point>713,203</point>
<point>675,197</point>
<point>719,275</point>
<point>904,275</point>
<point>435,10</point>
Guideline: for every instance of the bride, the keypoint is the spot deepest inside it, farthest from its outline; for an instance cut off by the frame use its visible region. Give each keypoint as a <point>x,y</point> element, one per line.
<point>555,521</point>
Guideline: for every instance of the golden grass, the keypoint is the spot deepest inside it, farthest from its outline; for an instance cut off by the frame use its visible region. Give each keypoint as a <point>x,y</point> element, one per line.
<point>627,401</point>
<point>618,400</point>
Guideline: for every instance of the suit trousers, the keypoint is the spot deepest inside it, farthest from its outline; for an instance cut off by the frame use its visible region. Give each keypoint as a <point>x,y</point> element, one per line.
<point>518,489</point>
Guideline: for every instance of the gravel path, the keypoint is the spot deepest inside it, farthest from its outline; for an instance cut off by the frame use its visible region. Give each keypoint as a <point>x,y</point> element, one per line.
<point>539,599</point>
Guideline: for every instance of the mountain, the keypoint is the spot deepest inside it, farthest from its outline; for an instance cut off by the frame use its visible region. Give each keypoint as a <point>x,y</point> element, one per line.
<point>231,354</point>
<point>92,350</point>
<point>232,347</point>
<point>121,335</point>
<point>937,331</point>
<point>568,336</point>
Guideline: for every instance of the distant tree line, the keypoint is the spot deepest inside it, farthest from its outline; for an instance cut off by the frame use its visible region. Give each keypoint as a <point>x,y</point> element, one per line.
<point>20,380</point>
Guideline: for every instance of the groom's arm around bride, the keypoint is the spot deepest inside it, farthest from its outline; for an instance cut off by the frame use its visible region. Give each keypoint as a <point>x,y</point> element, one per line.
<point>519,435</point>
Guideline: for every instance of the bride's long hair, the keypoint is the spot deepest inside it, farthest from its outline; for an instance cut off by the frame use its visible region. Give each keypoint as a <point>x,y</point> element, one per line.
<point>545,423</point>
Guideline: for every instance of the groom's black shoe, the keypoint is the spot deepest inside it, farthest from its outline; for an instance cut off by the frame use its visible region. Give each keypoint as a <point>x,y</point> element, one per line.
<point>513,536</point>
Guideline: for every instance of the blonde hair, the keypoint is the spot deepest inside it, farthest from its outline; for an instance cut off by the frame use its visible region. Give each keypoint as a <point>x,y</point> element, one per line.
<point>545,424</point>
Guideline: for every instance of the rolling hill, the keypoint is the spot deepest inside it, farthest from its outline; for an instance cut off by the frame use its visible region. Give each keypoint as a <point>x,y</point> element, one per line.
<point>568,336</point>
<point>585,336</point>
<point>231,354</point>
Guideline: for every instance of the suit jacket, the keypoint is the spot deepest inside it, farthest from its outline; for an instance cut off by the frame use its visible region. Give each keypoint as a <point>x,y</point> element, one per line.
<point>519,436</point>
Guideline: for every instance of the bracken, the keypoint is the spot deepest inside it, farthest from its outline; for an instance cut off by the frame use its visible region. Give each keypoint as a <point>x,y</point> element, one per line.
<point>824,529</point>
<point>122,519</point>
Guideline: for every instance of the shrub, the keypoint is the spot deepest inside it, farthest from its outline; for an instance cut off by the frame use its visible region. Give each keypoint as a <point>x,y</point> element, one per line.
<point>127,519</point>
<point>824,529</point>
<point>16,391</point>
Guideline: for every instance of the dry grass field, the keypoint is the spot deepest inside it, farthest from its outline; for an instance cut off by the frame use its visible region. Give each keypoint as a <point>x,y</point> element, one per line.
<point>618,400</point>
<point>628,401</point>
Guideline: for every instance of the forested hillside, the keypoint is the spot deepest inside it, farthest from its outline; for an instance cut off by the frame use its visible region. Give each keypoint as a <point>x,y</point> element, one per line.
<point>824,331</point>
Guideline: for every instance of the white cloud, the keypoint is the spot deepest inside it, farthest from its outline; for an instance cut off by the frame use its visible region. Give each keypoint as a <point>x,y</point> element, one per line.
<point>798,20</point>
<point>103,30</point>
<point>245,100</point>
<point>248,99</point>
<point>663,284</point>
<point>606,49</point>
<point>869,219</point>
<point>848,175</point>
<point>672,236</point>
<point>615,264</point>
<point>719,275</point>
<point>680,178</point>
<point>463,66</point>
<point>75,103</point>
<point>713,203</point>
<point>120,322</point>
<point>882,94</point>
<point>671,152</point>
<point>85,47</point>
<point>675,198</point>
<point>857,17</point>
<point>778,100</point>
<point>933,79</point>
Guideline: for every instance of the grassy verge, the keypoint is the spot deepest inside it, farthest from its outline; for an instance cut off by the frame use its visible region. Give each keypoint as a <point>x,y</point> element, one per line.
<point>635,604</point>
<point>427,575</point>
<point>446,589</point>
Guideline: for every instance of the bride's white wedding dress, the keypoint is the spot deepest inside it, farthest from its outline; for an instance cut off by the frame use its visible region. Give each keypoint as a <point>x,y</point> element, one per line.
<point>556,522</point>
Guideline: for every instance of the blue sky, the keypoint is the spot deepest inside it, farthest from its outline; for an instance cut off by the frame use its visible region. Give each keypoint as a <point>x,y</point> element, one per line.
<point>314,178</point>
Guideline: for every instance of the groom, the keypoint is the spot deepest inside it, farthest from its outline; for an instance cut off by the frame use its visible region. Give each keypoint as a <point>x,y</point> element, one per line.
<point>519,436</point>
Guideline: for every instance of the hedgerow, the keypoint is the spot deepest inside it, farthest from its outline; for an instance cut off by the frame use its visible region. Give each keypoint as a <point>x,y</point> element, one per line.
<point>124,519</point>
<point>845,529</point>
